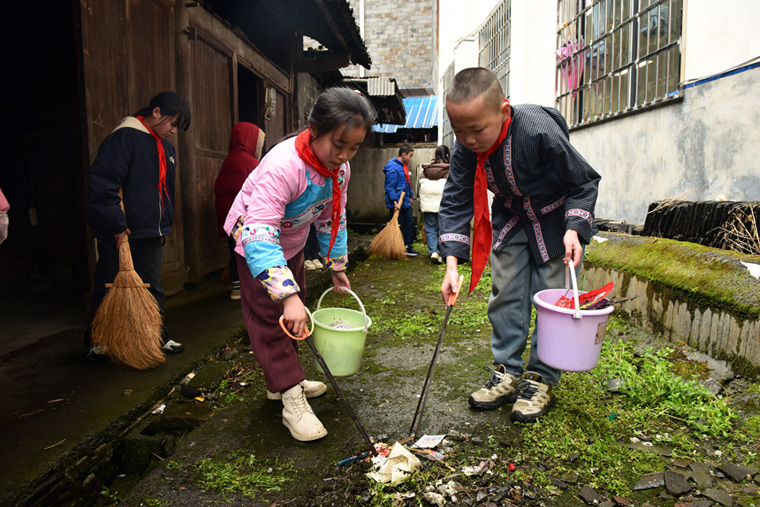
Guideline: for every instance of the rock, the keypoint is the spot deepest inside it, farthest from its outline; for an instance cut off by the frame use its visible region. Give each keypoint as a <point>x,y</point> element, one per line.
<point>738,473</point>
<point>559,483</point>
<point>701,503</point>
<point>623,501</point>
<point>700,467</point>
<point>701,479</point>
<point>572,457</point>
<point>570,477</point>
<point>676,484</point>
<point>650,481</point>
<point>681,462</point>
<point>590,496</point>
<point>720,496</point>
<point>607,504</point>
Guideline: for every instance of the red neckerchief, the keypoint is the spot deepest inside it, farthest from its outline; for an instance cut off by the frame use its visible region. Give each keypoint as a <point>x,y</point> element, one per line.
<point>303,147</point>
<point>482,235</point>
<point>406,173</point>
<point>161,162</point>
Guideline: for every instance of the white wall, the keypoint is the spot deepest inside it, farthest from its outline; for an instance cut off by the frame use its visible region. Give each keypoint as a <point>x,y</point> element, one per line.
<point>719,35</point>
<point>534,35</point>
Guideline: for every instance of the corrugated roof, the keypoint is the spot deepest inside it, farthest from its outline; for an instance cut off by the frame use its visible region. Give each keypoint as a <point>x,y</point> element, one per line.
<point>421,113</point>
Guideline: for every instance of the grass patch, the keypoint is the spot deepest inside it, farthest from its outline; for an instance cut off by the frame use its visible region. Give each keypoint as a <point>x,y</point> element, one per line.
<point>242,474</point>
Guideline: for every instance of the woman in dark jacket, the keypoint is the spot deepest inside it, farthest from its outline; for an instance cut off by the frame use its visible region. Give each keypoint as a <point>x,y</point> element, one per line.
<point>246,145</point>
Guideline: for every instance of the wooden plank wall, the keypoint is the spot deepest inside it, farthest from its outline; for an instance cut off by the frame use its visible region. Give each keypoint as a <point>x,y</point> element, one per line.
<point>133,49</point>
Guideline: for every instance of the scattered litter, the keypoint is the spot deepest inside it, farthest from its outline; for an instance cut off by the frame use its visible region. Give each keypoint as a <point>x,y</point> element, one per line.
<point>429,441</point>
<point>586,299</point>
<point>340,324</point>
<point>478,470</point>
<point>434,498</point>
<point>56,401</point>
<point>399,465</point>
<point>187,378</point>
<point>200,399</point>
<point>159,409</point>
<point>57,443</point>
<point>599,239</point>
<point>754,269</point>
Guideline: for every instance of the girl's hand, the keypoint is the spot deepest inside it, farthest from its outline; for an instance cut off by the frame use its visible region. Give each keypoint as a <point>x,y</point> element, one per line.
<point>573,248</point>
<point>451,280</point>
<point>339,280</point>
<point>295,316</point>
<point>120,238</point>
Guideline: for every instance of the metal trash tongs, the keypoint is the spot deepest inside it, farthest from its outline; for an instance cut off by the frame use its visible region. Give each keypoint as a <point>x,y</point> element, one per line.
<point>414,430</point>
<point>307,336</point>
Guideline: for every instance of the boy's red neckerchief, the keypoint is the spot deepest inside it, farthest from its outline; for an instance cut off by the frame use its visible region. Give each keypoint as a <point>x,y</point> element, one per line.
<point>406,173</point>
<point>303,147</point>
<point>161,162</point>
<point>482,234</point>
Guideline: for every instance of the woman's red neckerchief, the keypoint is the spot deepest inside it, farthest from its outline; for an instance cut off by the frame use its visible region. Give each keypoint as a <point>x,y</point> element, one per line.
<point>303,147</point>
<point>482,235</point>
<point>161,162</point>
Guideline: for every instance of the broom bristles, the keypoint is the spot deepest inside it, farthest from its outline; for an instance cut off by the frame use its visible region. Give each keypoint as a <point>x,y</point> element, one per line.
<point>389,243</point>
<point>128,321</point>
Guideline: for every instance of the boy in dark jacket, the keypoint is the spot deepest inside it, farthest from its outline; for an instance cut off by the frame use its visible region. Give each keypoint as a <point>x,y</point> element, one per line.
<point>397,180</point>
<point>543,215</point>
<point>137,160</point>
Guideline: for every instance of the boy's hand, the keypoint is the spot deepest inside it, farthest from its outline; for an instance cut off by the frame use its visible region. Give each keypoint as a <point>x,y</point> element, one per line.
<point>295,315</point>
<point>451,280</point>
<point>339,279</point>
<point>573,248</point>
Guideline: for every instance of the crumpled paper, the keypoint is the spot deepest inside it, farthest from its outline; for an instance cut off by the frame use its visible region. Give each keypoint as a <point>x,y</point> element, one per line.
<point>397,467</point>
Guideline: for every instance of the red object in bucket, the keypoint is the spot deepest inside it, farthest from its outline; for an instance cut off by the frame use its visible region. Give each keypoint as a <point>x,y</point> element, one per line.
<point>585,299</point>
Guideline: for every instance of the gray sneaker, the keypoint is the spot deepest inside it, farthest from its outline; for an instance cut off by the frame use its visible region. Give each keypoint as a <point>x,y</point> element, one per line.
<point>501,388</point>
<point>535,398</point>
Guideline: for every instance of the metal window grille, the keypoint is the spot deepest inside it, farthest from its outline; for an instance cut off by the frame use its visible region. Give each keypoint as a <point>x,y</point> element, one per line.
<point>494,43</point>
<point>615,56</point>
<point>446,131</point>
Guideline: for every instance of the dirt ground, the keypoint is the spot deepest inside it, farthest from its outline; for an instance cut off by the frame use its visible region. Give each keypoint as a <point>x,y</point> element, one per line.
<point>241,454</point>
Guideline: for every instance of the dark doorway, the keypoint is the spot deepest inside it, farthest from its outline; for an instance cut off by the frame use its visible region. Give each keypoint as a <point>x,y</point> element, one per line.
<point>42,174</point>
<point>250,98</point>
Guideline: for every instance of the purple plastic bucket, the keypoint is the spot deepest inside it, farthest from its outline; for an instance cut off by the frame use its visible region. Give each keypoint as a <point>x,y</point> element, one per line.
<point>563,341</point>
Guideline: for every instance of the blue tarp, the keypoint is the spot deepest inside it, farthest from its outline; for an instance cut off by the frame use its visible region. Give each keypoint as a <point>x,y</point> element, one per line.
<point>421,113</point>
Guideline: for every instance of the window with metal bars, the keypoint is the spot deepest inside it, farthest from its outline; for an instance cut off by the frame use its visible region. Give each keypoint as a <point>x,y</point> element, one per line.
<point>494,43</point>
<point>616,56</point>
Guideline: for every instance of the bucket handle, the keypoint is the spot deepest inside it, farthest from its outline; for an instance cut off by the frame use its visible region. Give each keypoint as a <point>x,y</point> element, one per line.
<point>307,332</point>
<point>319,303</point>
<point>570,267</point>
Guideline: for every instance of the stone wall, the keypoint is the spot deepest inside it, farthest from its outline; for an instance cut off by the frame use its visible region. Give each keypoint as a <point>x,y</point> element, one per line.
<point>401,39</point>
<point>712,331</point>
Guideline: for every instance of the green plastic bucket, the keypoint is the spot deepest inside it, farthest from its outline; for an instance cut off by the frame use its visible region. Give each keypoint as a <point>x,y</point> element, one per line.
<point>339,335</point>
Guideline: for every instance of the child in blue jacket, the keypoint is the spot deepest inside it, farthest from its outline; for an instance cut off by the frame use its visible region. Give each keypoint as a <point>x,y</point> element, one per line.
<point>397,180</point>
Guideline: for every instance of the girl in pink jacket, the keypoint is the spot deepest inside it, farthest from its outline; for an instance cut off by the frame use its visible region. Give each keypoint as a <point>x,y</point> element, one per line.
<point>302,180</point>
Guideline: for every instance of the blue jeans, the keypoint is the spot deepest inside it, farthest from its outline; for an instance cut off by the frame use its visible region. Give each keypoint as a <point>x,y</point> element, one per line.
<point>516,278</point>
<point>431,231</point>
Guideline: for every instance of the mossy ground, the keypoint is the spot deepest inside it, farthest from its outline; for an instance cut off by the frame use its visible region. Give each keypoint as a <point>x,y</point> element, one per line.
<point>585,440</point>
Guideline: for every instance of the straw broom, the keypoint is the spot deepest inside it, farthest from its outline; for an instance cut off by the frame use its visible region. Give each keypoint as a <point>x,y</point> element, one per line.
<point>389,243</point>
<point>128,321</point>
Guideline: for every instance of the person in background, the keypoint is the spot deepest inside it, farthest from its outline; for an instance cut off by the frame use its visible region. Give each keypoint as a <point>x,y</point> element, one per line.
<point>4,207</point>
<point>432,181</point>
<point>543,215</point>
<point>397,181</point>
<point>311,251</point>
<point>302,180</point>
<point>246,145</point>
<point>138,160</point>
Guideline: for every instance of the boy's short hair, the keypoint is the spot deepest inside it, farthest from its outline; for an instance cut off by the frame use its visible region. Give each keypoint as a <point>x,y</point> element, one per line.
<point>405,148</point>
<point>474,82</point>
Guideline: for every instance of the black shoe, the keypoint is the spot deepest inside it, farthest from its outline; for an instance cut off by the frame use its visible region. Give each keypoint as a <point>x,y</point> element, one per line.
<point>172,347</point>
<point>410,252</point>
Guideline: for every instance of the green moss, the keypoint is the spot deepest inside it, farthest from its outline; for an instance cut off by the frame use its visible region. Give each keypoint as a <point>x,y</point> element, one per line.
<point>707,277</point>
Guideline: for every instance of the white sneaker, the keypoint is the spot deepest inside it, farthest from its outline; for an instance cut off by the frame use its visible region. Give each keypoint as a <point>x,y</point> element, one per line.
<point>172,347</point>
<point>435,257</point>
<point>309,265</point>
<point>298,416</point>
<point>317,264</point>
<point>235,292</point>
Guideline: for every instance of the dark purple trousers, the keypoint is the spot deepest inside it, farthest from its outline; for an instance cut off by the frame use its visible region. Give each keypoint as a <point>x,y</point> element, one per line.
<point>275,351</point>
